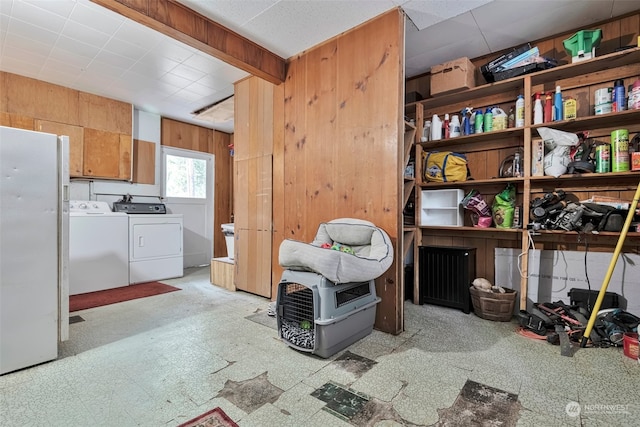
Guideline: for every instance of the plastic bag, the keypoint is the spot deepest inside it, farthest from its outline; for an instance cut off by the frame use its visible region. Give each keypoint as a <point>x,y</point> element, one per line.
<point>503,207</point>
<point>558,144</point>
<point>481,213</point>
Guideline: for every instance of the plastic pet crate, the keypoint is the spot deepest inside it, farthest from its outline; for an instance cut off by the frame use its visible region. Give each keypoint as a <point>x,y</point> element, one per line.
<point>318,316</point>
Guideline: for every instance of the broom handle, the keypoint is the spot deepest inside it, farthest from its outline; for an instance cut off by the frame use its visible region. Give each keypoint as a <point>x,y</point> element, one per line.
<point>612,265</point>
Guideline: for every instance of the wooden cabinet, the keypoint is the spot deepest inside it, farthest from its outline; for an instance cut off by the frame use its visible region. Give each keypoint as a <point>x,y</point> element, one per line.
<point>486,151</point>
<point>106,154</point>
<point>76,142</point>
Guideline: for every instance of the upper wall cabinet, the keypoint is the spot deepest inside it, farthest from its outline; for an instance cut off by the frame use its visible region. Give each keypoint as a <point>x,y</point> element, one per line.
<point>76,140</point>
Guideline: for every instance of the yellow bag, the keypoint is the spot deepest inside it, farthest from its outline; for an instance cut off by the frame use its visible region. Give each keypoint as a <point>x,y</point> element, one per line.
<point>444,166</point>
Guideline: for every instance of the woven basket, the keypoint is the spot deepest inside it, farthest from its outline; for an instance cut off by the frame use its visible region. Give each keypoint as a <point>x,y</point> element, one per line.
<point>493,306</point>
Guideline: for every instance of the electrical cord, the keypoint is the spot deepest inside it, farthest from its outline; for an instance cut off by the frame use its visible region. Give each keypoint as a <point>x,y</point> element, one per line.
<point>531,244</point>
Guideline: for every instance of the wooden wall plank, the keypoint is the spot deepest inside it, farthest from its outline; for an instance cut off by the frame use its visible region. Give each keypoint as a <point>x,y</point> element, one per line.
<point>335,137</point>
<point>124,164</point>
<point>144,162</point>
<point>101,156</point>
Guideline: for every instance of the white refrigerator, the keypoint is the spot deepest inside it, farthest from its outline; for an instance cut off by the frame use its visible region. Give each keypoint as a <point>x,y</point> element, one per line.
<point>34,247</point>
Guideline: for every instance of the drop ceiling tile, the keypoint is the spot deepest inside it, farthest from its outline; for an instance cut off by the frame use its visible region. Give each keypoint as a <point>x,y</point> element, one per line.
<point>61,8</point>
<point>18,66</point>
<point>154,66</point>
<point>301,30</point>
<point>37,47</point>
<point>201,89</point>
<point>30,31</point>
<point>187,72</point>
<point>115,60</point>
<point>174,50</point>
<point>88,35</point>
<point>77,47</point>
<point>230,13</point>
<point>461,27</point>
<point>620,7</point>
<point>5,7</point>
<point>139,35</point>
<point>125,49</point>
<point>175,80</point>
<point>426,13</point>
<point>231,74</point>
<point>26,56</point>
<point>36,16</point>
<point>55,67</point>
<point>213,81</point>
<point>97,17</point>
<point>204,63</point>
<point>188,95</point>
<point>104,70</point>
<point>72,58</point>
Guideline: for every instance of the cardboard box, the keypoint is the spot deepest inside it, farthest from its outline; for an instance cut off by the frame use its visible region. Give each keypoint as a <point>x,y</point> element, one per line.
<point>452,76</point>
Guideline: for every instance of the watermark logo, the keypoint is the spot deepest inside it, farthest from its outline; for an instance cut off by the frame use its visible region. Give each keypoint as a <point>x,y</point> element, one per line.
<point>574,409</point>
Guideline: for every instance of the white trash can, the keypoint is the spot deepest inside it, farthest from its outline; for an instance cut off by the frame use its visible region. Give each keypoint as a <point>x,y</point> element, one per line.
<point>228,231</point>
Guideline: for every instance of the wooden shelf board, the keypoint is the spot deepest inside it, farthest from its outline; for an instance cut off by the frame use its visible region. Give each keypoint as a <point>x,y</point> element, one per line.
<point>611,120</point>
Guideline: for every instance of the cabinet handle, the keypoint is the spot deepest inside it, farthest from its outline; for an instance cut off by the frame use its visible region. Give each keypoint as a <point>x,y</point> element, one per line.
<point>140,241</point>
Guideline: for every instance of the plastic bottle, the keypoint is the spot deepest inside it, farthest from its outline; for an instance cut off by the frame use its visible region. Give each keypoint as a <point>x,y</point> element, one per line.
<point>557,105</point>
<point>426,131</point>
<point>511,119</point>
<point>537,110</point>
<point>436,128</point>
<point>515,168</point>
<point>488,120</point>
<point>634,96</point>
<point>445,126</point>
<point>479,121</point>
<point>548,108</point>
<point>499,119</point>
<point>466,127</point>
<point>619,100</point>
<point>520,111</point>
<point>472,123</point>
<point>454,126</point>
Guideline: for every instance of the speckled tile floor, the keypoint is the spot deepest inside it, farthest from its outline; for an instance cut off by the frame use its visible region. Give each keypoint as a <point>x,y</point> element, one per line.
<point>163,360</point>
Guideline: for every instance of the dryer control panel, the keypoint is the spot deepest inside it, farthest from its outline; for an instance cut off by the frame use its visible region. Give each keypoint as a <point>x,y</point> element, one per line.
<point>140,208</point>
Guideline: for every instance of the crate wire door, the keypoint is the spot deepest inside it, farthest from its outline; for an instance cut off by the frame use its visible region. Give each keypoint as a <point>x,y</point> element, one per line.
<point>297,315</point>
<point>446,274</point>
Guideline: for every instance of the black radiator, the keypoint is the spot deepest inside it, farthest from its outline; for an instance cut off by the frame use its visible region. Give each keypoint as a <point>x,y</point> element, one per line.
<point>446,274</point>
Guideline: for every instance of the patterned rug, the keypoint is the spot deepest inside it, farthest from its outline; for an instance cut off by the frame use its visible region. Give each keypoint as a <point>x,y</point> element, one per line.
<point>214,418</point>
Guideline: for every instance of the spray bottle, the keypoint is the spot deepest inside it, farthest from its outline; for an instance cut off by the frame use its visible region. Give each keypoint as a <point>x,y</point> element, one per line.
<point>479,121</point>
<point>520,111</point>
<point>445,126</point>
<point>548,108</point>
<point>557,105</point>
<point>537,110</point>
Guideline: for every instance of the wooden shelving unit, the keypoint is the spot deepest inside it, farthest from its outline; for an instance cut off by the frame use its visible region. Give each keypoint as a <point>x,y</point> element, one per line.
<point>485,151</point>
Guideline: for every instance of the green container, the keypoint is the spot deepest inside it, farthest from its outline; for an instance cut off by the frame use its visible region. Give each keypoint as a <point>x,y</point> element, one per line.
<point>620,150</point>
<point>582,42</point>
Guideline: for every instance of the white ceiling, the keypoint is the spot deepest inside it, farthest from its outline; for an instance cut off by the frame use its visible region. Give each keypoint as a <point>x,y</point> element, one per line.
<point>78,44</point>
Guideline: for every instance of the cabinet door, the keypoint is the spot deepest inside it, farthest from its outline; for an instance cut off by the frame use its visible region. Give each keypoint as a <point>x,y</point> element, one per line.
<point>144,162</point>
<point>106,154</point>
<point>76,137</point>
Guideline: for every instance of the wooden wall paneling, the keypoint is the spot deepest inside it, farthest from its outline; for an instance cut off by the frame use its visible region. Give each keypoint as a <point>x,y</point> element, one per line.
<point>277,209</point>
<point>29,97</point>
<point>98,112</point>
<point>16,121</point>
<point>144,162</point>
<point>362,139</point>
<point>76,142</point>
<point>101,155</point>
<point>630,30</point>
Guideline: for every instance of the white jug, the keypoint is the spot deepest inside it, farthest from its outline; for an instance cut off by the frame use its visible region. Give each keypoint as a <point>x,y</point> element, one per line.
<point>436,128</point>
<point>499,119</point>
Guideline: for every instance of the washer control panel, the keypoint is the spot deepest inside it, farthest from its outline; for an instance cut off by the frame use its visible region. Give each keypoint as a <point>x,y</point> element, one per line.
<point>140,208</point>
<point>88,206</point>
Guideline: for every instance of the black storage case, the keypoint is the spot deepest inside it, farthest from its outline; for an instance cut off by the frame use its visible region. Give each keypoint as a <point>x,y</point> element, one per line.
<point>586,299</point>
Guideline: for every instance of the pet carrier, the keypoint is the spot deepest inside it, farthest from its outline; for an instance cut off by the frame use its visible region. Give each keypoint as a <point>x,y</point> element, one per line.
<point>318,316</point>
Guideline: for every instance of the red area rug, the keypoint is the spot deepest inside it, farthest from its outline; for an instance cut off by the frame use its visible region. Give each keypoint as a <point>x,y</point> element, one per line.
<point>115,295</point>
<point>214,418</point>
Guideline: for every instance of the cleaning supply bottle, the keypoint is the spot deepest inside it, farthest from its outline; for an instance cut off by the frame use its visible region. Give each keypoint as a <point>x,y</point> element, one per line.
<point>472,122</point>
<point>454,126</point>
<point>488,120</point>
<point>445,126</point>
<point>479,121</point>
<point>537,110</point>
<point>511,119</point>
<point>557,105</point>
<point>520,111</point>
<point>619,100</point>
<point>426,131</point>
<point>634,96</point>
<point>548,108</point>
<point>436,128</point>
<point>466,116</point>
<point>499,119</point>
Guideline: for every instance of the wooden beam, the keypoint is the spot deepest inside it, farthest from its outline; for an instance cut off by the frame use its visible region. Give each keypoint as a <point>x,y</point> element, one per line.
<point>181,23</point>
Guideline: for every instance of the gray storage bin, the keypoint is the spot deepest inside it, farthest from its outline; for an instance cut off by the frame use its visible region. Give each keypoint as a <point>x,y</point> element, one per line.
<point>317,316</point>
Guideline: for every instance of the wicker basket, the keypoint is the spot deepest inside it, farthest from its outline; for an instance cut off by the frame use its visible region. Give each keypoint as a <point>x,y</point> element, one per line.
<point>493,306</point>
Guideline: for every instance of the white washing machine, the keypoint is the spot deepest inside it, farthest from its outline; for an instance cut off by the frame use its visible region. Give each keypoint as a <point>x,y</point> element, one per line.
<point>155,247</point>
<point>98,247</point>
